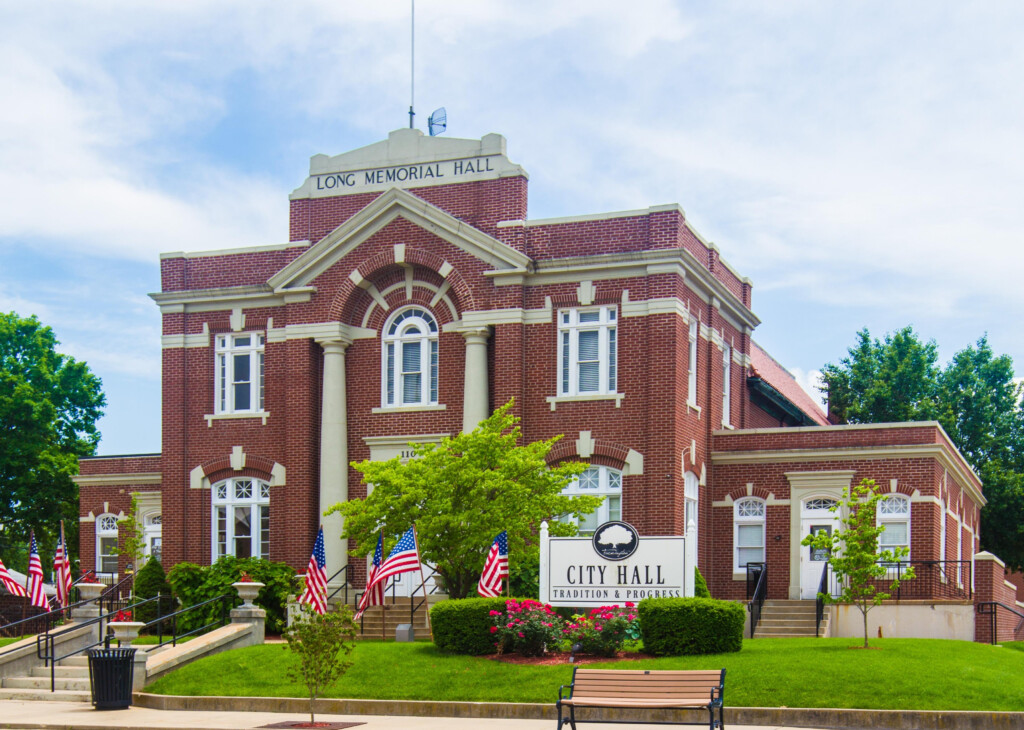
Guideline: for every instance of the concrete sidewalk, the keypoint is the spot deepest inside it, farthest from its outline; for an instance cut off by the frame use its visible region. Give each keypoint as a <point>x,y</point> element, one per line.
<point>78,716</point>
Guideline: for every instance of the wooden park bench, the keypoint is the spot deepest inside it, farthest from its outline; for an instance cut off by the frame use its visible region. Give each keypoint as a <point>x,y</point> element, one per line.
<point>643,689</point>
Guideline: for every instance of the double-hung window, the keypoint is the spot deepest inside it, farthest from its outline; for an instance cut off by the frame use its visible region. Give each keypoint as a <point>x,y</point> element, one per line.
<point>598,481</point>
<point>691,386</point>
<point>748,531</point>
<point>893,513</point>
<point>241,518</point>
<point>410,359</point>
<point>239,387</point>
<point>587,351</point>
<point>106,544</point>
<point>726,385</point>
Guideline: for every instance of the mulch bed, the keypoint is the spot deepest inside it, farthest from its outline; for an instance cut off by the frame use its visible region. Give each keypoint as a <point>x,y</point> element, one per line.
<point>562,657</point>
<point>317,725</point>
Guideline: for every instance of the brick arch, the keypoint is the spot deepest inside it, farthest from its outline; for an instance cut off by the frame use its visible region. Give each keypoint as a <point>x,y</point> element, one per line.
<point>739,493</point>
<point>605,453</point>
<point>346,301</point>
<point>366,312</point>
<point>257,467</point>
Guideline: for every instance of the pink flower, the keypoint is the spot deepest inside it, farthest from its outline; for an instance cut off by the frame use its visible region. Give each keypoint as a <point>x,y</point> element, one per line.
<point>599,628</point>
<point>630,604</point>
<point>494,629</point>
<point>494,613</point>
<point>521,635</point>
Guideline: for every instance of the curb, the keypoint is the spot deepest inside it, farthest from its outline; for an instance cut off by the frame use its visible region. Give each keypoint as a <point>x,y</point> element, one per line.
<point>785,716</point>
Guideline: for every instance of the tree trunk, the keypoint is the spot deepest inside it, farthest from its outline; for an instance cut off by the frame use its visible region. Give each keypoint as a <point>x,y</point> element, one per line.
<point>865,614</point>
<point>312,697</point>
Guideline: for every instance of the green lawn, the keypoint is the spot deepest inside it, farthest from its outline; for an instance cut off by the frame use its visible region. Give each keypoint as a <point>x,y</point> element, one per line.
<point>5,642</point>
<point>900,673</point>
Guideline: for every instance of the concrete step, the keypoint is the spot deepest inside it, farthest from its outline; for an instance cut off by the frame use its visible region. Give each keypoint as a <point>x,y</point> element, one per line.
<point>39,683</point>
<point>35,695</point>
<point>78,660</point>
<point>775,623</point>
<point>61,671</point>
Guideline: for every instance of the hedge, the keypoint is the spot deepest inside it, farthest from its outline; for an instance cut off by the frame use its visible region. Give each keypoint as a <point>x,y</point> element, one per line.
<point>151,582</point>
<point>463,626</point>
<point>675,626</point>
<point>700,586</point>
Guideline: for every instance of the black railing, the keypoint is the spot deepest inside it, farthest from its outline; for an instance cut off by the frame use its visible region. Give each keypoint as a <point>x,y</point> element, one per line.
<point>819,599</point>
<point>342,587</point>
<point>757,591</point>
<point>393,587</point>
<point>991,609</point>
<point>163,621</point>
<point>413,608</point>
<point>46,643</point>
<point>118,596</point>
<point>934,580</point>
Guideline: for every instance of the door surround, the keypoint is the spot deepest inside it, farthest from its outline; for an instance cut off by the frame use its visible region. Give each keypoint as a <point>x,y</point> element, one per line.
<point>803,485</point>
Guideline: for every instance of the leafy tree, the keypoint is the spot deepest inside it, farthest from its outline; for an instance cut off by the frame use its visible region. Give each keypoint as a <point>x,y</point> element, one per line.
<point>975,399</point>
<point>132,540</point>
<point>49,405</point>
<point>854,555</point>
<point>461,493</point>
<point>894,380</point>
<point>322,644</point>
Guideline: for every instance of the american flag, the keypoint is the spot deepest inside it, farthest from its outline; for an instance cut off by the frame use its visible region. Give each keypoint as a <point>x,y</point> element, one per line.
<point>495,568</point>
<point>403,558</point>
<point>374,593</point>
<point>62,571</point>
<point>13,587</point>
<point>35,576</point>
<point>316,577</point>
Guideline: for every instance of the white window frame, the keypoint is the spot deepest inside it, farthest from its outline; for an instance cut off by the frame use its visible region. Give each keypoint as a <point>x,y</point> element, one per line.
<point>598,481</point>
<point>893,518</point>
<point>569,329</point>
<point>103,530</point>
<point>726,386</point>
<point>691,495</point>
<point>746,520</point>
<point>691,384</point>
<point>228,349</point>
<point>229,495</point>
<point>396,336</point>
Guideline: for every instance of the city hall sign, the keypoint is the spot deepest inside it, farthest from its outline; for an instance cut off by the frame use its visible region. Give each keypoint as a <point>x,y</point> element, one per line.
<point>614,565</point>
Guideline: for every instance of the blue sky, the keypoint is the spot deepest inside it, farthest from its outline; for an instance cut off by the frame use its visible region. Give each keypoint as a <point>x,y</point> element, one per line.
<point>862,163</point>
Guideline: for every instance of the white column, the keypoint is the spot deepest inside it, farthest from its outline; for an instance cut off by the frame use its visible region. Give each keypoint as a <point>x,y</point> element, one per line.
<point>334,452</point>
<point>475,394</point>
<point>545,557</point>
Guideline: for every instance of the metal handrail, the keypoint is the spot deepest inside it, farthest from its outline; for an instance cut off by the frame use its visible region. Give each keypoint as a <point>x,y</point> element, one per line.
<point>112,595</point>
<point>819,599</point>
<point>49,638</point>
<point>344,569</point>
<point>991,608</point>
<point>933,580</point>
<point>47,616</point>
<point>413,609</point>
<point>226,601</point>
<point>393,586</point>
<point>757,573</point>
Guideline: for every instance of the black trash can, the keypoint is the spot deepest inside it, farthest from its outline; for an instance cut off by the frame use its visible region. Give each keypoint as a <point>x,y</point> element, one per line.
<point>110,673</point>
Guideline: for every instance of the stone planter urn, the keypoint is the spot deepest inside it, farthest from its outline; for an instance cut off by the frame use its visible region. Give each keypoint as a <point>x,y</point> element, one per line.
<point>90,591</point>
<point>125,631</point>
<point>247,591</point>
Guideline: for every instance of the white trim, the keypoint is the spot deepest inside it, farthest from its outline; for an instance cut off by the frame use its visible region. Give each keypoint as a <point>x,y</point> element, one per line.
<point>102,480</point>
<point>233,251</point>
<point>591,217</point>
<point>320,331</point>
<point>554,400</point>
<point>211,417</point>
<point>409,409</point>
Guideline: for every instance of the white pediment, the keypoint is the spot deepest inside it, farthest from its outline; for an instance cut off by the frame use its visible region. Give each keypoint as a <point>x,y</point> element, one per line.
<point>395,203</point>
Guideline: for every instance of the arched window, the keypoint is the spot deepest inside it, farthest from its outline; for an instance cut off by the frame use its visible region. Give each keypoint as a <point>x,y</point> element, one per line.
<point>241,518</point>
<point>598,481</point>
<point>106,544</point>
<point>691,491</point>
<point>894,515</point>
<point>153,534</point>
<point>409,360</point>
<point>748,532</point>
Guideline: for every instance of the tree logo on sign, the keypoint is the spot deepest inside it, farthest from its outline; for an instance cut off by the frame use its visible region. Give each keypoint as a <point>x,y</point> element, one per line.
<point>615,540</point>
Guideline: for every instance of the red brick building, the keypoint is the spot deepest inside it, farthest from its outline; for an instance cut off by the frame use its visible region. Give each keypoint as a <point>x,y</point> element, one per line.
<point>415,295</point>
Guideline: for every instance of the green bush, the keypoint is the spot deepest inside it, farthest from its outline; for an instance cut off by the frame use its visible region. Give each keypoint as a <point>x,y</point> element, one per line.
<point>700,586</point>
<point>151,582</point>
<point>464,626</point>
<point>675,626</point>
<point>194,584</point>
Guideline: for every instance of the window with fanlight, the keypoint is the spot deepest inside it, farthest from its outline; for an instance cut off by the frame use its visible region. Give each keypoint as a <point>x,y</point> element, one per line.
<point>598,481</point>
<point>106,543</point>
<point>410,359</point>
<point>893,513</point>
<point>748,532</point>
<point>241,518</point>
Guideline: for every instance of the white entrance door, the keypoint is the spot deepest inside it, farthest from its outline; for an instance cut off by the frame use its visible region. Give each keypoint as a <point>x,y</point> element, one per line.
<point>815,517</point>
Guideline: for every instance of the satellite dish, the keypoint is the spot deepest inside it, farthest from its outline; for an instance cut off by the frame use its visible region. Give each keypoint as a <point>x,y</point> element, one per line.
<point>437,122</point>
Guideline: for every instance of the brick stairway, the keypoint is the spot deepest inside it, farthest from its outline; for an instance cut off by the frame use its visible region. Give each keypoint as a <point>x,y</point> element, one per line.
<point>789,618</point>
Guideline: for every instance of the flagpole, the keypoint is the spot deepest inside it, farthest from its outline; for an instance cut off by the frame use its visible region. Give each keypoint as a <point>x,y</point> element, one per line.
<point>426,599</point>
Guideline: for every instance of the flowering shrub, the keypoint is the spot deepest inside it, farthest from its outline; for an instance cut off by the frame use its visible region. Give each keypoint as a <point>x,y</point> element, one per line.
<point>604,630</point>
<point>525,627</point>
<point>123,615</point>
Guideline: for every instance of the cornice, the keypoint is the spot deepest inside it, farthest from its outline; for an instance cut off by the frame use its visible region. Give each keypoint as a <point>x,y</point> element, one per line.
<point>110,480</point>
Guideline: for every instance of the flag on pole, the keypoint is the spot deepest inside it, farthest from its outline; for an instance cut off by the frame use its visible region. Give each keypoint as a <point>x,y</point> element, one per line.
<point>62,571</point>
<point>13,587</point>
<point>495,568</point>
<point>374,593</point>
<point>35,576</point>
<point>316,577</point>
<point>403,559</point>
